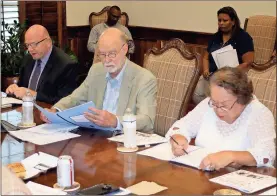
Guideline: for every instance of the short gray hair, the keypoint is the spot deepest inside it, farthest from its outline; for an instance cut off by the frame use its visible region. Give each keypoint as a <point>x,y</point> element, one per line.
<point>234,81</point>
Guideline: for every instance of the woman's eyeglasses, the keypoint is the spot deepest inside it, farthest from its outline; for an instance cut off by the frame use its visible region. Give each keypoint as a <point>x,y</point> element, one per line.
<point>224,108</point>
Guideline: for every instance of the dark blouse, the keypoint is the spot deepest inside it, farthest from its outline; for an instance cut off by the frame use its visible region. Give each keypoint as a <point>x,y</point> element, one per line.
<point>242,42</point>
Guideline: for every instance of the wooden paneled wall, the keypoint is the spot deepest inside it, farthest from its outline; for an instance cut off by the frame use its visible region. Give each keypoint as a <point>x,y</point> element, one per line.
<point>50,14</point>
<point>144,39</point>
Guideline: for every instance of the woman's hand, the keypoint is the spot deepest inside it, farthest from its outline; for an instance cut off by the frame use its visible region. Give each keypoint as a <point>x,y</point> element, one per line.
<point>178,149</point>
<point>216,161</point>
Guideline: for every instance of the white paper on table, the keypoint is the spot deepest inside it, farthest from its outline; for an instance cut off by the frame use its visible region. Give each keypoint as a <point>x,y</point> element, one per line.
<point>8,101</point>
<point>164,152</point>
<point>272,191</point>
<point>228,58</point>
<point>38,163</point>
<point>142,139</point>
<point>245,181</point>
<point>46,133</point>
<point>194,158</point>
<point>39,189</point>
<point>226,48</point>
<point>146,188</point>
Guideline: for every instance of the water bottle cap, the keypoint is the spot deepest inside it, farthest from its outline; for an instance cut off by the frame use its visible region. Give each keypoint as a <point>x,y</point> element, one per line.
<point>28,97</point>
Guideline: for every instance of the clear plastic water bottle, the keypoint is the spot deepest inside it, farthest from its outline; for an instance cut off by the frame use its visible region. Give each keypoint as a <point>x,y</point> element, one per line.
<point>27,110</point>
<point>129,129</point>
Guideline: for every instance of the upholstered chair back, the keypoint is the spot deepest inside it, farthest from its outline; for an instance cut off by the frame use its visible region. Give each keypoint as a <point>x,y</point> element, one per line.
<point>177,72</point>
<point>263,31</point>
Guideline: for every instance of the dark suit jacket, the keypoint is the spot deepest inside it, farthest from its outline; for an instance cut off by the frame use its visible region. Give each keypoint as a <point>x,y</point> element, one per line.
<point>57,80</point>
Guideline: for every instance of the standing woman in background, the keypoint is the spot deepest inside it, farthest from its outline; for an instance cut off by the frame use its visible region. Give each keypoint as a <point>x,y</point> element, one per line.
<point>229,32</point>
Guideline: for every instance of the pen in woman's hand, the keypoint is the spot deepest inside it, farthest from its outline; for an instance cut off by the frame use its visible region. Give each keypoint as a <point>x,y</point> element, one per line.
<point>178,144</point>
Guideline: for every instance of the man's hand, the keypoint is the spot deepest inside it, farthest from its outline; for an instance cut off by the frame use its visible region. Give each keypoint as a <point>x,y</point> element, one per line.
<point>11,89</point>
<point>20,92</point>
<point>178,149</point>
<point>216,161</point>
<point>102,118</point>
<point>44,118</point>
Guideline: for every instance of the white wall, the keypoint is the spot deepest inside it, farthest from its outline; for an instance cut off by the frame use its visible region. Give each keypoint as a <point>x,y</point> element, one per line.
<point>197,16</point>
<point>77,12</point>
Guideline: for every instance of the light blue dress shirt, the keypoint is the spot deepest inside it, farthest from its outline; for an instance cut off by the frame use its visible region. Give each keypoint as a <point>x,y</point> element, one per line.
<point>111,97</point>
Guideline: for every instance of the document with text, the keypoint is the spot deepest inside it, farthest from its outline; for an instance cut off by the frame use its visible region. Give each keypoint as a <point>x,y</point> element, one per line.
<point>164,152</point>
<point>245,181</point>
<point>46,133</point>
<point>141,139</point>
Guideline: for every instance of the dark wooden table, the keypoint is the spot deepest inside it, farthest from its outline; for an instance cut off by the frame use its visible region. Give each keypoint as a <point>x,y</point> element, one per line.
<point>96,160</point>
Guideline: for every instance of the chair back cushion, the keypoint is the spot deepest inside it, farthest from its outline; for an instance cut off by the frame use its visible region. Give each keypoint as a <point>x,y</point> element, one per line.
<point>263,31</point>
<point>177,73</point>
<point>102,16</point>
<point>264,83</point>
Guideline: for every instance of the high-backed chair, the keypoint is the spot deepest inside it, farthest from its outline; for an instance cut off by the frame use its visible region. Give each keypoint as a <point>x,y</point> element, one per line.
<point>263,31</point>
<point>102,16</point>
<point>177,72</point>
<point>264,82</point>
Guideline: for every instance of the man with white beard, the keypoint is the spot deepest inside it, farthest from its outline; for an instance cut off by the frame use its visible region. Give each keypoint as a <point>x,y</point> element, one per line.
<point>115,84</point>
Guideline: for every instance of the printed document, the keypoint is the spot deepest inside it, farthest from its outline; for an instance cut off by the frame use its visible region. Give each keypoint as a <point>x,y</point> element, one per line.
<point>141,139</point>
<point>72,116</point>
<point>46,133</point>
<point>226,56</point>
<point>245,181</point>
<point>164,152</point>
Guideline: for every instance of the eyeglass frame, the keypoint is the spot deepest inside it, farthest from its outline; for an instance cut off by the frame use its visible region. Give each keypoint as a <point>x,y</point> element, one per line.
<point>110,53</point>
<point>34,44</point>
<point>210,103</point>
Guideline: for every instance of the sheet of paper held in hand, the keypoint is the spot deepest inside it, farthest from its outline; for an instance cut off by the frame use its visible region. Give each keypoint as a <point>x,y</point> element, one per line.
<point>39,189</point>
<point>245,181</point>
<point>163,152</point>
<point>146,188</point>
<point>46,133</point>
<point>38,163</point>
<point>226,56</point>
<point>142,139</point>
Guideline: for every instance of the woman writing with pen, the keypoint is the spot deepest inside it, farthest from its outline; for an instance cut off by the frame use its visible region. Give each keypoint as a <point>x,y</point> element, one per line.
<point>231,122</point>
<point>229,33</point>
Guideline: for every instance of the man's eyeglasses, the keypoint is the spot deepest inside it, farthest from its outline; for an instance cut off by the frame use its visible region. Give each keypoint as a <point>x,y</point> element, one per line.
<point>110,55</point>
<point>224,108</point>
<point>34,44</point>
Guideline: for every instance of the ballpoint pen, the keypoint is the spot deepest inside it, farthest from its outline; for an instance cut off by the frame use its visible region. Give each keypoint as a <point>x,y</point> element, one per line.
<point>178,145</point>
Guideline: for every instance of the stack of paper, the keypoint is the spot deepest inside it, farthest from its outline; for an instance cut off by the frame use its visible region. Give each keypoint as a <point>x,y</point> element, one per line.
<point>245,181</point>
<point>46,133</point>
<point>8,101</point>
<point>226,56</point>
<point>142,139</point>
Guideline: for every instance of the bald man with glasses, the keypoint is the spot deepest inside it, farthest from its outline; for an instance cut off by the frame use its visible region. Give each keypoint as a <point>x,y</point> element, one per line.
<point>115,84</point>
<point>48,73</point>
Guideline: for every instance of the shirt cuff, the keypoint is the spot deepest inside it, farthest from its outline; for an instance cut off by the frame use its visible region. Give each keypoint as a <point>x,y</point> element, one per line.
<point>119,127</point>
<point>59,110</point>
